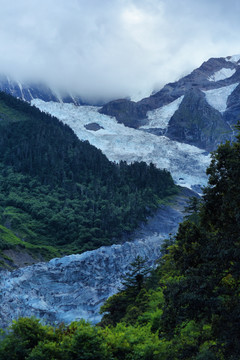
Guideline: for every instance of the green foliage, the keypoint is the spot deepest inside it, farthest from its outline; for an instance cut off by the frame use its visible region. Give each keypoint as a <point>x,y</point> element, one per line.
<point>57,190</point>
<point>9,241</point>
<point>127,304</point>
<point>28,339</point>
<point>187,309</point>
<point>22,336</point>
<point>197,305</point>
<point>87,343</point>
<point>134,279</point>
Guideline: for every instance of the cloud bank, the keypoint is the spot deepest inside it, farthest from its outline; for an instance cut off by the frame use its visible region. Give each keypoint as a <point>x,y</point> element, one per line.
<point>114,48</point>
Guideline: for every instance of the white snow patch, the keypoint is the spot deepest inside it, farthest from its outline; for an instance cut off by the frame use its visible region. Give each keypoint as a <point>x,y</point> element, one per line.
<point>222,74</point>
<point>233,59</point>
<point>30,94</point>
<point>217,98</point>
<point>57,94</point>
<point>159,118</point>
<point>21,89</point>
<point>119,142</point>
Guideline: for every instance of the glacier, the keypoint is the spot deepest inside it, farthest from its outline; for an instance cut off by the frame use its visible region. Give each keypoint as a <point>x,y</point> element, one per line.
<point>233,58</point>
<point>217,98</point>
<point>159,118</point>
<point>222,74</point>
<point>186,163</point>
<point>75,286</point>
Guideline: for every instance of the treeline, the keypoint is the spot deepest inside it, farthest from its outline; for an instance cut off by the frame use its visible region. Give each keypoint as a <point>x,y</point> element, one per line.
<point>192,300</point>
<point>186,309</point>
<point>60,191</point>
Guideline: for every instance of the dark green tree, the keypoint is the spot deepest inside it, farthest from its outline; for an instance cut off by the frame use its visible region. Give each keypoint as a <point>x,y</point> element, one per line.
<point>134,279</point>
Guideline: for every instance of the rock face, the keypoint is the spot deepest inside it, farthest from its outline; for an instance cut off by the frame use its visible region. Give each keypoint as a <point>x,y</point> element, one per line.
<point>75,286</point>
<point>198,122</point>
<point>119,142</point>
<point>126,112</point>
<point>201,123</point>
<point>93,126</point>
<point>30,91</point>
<point>232,114</point>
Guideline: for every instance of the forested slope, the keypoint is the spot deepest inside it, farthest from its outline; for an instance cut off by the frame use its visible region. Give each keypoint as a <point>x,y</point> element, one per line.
<point>58,191</point>
<point>188,308</point>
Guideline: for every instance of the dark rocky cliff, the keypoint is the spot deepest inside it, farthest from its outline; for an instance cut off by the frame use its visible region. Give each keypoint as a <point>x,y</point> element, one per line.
<point>197,123</point>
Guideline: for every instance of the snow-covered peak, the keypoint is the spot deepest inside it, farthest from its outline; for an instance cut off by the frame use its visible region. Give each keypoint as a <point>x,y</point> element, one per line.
<point>233,59</point>
<point>217,98</point>
<point>222,74</point>
<point>159,118</point>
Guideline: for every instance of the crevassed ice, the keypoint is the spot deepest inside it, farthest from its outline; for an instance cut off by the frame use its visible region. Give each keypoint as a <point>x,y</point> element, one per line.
<point>74,286</point>
<point>217,98</point>
<point>222,74</point>
<point>159,118</point>
<point>119,142</point>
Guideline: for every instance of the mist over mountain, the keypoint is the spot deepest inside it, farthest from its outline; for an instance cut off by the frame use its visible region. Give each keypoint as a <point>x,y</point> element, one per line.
<point>200,109</point>
<point>60,195</point>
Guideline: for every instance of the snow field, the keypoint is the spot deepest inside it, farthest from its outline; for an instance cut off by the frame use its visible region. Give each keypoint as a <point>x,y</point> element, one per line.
<point>186,163</point>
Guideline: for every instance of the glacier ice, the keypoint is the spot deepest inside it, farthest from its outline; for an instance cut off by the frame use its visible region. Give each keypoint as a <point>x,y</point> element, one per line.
<point>233,58</point>
<point>72,287</point>
<point>217,98</point>
<point>159,118</point>
<point>222,74</point>
<point>186,163</point>
<point>75,286</point>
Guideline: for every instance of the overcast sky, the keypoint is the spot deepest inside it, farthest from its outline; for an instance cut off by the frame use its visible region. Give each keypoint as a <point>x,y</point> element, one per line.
<point>114,48</point>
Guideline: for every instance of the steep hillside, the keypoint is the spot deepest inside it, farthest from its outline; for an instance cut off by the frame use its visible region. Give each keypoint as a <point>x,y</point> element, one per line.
<point>215,80</point>
<point>197,123</point>
<point>187,164</point>
<point>57,190</point>
<point>28,91</point>
<point>76,286</point>
<point>188,308</point>
<point>192,300</point>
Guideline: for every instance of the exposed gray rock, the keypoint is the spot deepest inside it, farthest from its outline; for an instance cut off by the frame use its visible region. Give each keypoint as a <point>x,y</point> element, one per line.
<point>93,126</point>
<point>126,112</point>
<point>232,114</point>
<point>197,123</point>
<point>135,114</point>
<point>29,91</point>
<point>19,257</point>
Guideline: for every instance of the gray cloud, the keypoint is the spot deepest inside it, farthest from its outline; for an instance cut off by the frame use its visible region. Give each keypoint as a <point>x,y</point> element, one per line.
<point>114,48</point>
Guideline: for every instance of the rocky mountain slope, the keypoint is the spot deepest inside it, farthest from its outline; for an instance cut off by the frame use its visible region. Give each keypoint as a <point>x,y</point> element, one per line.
<point>29,90</point>
<point>186,163</point>
<point>200,109</point>
<point>174,128</point>
<point>207,105</point>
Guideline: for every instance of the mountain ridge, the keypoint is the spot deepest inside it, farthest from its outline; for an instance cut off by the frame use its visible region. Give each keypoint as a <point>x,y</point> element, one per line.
<point>216,73</point>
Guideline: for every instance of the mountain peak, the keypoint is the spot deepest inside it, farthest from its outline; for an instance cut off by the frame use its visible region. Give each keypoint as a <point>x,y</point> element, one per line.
<point>233,58</point>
